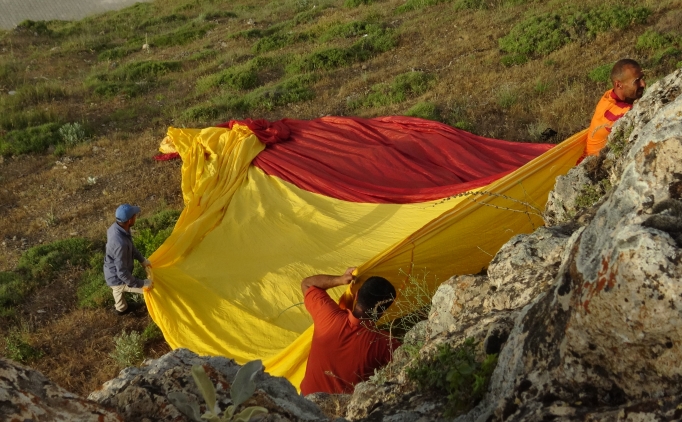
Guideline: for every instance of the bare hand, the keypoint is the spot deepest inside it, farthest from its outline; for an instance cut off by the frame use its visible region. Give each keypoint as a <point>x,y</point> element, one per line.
<point>348,277</point>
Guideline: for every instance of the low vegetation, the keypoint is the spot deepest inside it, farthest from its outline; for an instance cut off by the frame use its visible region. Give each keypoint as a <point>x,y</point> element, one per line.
<point>456,372</point>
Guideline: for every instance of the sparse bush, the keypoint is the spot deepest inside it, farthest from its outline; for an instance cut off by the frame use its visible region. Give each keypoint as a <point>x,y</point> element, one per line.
<point>507,96</point>
<point>541,86</point>
<point>238,77</point>
<point>18,348</point>
<point>356,3</point>
<point>457,373</point>
<point>410,5</point>
<point>601,73</point>
<point>277,41</point>
<point>152,332</point>
<point>510,60</point>
<point>653,40</point>
<point>425,111</point>
<point>590,194</point>
<point>350,29</point>
<point>132,79</point>
<point>306,17</point>
<point>404,86</point>
<point>129,349</point>
<point>203,113</point>
<point>72,134</point>
<point>183,35</point>
<point>332,58</point>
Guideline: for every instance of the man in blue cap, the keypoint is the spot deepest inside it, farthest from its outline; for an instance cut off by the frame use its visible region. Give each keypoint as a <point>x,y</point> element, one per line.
<point>118,258</point>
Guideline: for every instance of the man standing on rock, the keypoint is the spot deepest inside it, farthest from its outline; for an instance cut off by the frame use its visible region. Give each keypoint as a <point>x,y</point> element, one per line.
<point>118,258</point>
<point>628,85</point>
<point>347,346</point>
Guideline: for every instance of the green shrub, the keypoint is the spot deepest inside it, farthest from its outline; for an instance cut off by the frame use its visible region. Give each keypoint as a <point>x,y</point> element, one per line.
<point>513,60</point>
<point>332,58</point>
<point>152,332</point>
<point>349,30</point>
<point>277,41</point>
<point>42,262</point>
<point>92,291</point>
<point>652,40</point>
<point>24,117</point>
<point>131,79</point>
<point>457,373</point>
<point>30,140</point>
<point>129,349</point>
<point>541,34</point>
<point>306,17</point>
<point>32,94</point>
<point>506,97</point>
<point>424,110</point>
<point>601,73</point>
<point>237,77</point>
<point>403,86</point>
<point>118,53</point>
<point>36,27</point>
<point>18,349</point>
<point>203,113</point>
<point>13,289</point>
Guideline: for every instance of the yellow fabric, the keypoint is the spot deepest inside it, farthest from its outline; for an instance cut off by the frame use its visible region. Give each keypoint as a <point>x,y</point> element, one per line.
<point>227,280</point>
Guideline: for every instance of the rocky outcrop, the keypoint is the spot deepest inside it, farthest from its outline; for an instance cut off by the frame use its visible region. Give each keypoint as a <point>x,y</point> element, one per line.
<point>585,313</point>
<point>26,395</point>
<point>142,393</point>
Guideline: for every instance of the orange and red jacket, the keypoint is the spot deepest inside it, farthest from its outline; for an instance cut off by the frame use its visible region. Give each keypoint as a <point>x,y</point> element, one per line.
<point>609,109</point>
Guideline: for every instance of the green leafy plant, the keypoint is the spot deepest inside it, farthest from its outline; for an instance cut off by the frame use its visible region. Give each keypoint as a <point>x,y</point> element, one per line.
<point>404,86</point>
<point>72,134</point>
<point>152,332</point>
<point>425,110</point>
<point>30,140</point>
<point>129,349</point>
<point>42,262</point>
<point>13,289</point>
<point>242,389</point>
<point>18,349</point>
<point>601,73</point>
<point>457,373</point>
<point>590,194</point>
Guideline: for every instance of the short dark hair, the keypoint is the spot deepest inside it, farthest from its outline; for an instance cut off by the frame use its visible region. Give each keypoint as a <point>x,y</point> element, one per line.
<point>375,296</point>
<point>619,66</point>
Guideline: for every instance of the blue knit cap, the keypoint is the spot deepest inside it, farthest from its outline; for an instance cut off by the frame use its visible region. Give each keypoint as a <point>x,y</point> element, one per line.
<point>125,212</point>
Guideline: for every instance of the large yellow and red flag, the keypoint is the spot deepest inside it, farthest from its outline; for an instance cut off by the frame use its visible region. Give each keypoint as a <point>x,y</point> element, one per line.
<point>270,203</point>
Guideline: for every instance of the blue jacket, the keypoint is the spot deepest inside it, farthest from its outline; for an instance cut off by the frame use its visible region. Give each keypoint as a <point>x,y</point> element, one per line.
<point>118,258</point>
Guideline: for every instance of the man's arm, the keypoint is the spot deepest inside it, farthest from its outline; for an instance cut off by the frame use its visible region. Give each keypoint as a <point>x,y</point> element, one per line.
<point>325,282</point>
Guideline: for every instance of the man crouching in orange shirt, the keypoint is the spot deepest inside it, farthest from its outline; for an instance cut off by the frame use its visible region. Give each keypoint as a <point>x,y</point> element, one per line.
<point>628,86</point>
<point>347,347</point>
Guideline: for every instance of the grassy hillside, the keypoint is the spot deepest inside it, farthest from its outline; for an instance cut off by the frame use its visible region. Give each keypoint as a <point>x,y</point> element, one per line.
<point>85,104</point>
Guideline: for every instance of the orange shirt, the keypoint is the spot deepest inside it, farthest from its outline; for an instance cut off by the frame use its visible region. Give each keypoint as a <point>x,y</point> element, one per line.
<point>609,109</point>
<point>345,350</point>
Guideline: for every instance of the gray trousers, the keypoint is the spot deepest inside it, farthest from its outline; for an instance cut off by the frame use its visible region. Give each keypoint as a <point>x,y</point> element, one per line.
<point>119,299</point>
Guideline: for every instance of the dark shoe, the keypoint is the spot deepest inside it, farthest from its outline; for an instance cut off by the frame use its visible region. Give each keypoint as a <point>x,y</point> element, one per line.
<point>132,307</point>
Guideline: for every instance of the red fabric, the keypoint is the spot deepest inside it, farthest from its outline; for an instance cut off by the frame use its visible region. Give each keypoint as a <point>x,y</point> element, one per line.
<point>384,160</point>
<point>267,132</point>
<point>166,157</point>
<point>343,351</point>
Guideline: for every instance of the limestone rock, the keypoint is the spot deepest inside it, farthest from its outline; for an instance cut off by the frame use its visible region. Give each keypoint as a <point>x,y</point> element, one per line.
<point>141,393</point>
<point>25,394</point>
